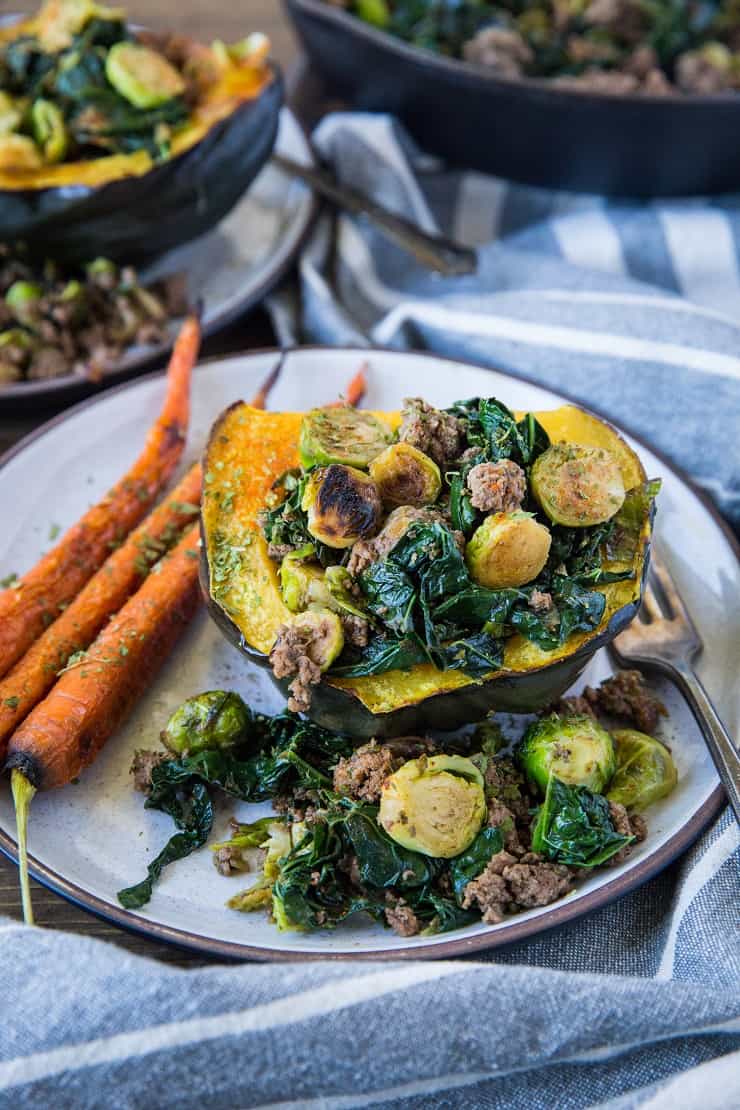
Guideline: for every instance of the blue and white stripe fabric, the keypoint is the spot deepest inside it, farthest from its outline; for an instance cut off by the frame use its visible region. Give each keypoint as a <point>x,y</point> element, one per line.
<point>632,309</point>
<point>636,1006</point>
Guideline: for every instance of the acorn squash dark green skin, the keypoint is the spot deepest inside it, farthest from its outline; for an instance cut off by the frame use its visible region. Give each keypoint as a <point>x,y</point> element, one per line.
<point>133,219</point>
<point>526,692</point>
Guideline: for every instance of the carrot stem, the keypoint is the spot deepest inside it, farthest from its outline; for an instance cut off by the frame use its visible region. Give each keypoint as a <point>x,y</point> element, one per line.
<point>23,792</point>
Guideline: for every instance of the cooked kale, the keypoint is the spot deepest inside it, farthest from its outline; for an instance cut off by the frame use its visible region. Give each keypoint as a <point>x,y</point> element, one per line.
<point>280,754</point>
<point>574,827</point>
<point>469,864</point>
<point>97,119</point>
<point>423,595</point>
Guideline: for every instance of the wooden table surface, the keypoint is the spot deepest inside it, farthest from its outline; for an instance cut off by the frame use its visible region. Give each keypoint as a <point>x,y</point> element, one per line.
<point>206,21</point>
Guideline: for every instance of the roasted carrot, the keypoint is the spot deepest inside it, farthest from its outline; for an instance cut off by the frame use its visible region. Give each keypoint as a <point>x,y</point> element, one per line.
<point>357,387</point>
<point>259,401</point>
<point>88,702</point>
<point>34,602</point>
<point>74,630</point>
<point>96,692</point>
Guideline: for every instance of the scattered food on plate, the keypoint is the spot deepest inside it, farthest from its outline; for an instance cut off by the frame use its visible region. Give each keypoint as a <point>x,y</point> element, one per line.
<point>660,48</point>
<point>426,835</point>
<point>93,110</point>
<point>397,563</point>
<point>56,321</point>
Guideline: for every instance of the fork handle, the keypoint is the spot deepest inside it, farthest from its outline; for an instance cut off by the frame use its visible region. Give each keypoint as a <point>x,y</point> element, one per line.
<point>723,751</point>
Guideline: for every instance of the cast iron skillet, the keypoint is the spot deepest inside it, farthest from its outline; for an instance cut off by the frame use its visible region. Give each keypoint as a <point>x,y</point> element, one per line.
<point>528,131</point>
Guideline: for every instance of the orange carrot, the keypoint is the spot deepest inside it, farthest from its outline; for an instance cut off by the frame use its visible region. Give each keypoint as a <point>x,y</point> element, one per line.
<point>89,701</point>
<point>120,575</point>
<point>259,401</point>
<point>30,605</point>
<point>357,387</point>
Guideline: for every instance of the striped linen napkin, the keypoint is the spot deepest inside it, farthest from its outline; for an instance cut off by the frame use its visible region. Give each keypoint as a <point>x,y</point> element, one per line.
<point>631,308</point>
<point>637,1005</point>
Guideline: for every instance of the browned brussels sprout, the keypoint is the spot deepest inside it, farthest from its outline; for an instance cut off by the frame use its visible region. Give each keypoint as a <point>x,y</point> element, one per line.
<point>645,770</point>
<point>406,476</point>
<point>577,486</point>
<point>434,805</point>
<point>216,719</point>
<point>341,434</point>
<point>508,549</point>
<point>141,75</point>
<point>575,749</point>
<point>343,505</point>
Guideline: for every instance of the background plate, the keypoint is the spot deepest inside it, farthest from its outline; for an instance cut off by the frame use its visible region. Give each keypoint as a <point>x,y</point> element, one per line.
<point>91,839</point>
<point>531,130</point>
<point>231,269</point>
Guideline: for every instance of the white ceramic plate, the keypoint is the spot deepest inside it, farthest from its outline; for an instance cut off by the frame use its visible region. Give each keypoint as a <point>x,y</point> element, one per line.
<point>93,838</point>
<point>230,269</point>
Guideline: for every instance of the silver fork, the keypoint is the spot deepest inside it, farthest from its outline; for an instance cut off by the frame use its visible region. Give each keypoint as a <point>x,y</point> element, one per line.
<point>664,638</point>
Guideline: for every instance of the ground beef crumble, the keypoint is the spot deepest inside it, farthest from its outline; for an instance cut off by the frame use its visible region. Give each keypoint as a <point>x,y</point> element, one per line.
<point>401,917</point>
<point>362,775</point>
<point>290,656</point>
<point>540,601</point>
<point>626,695</point>
<point>508,885</point>
<point>438,434</point>
<point>497,487</point>
<point>142,766</point>
<point>356,629</point>
<point>626,824</point>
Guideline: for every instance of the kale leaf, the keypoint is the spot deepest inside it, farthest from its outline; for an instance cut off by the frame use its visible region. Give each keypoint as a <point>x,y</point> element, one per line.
<point>286,753</point>
<point>574,827</point>
<point>381,861</point>
<point>192,812</point>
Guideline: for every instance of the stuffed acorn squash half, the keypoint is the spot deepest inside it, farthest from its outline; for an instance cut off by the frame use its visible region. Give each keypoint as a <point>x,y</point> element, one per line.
<point>400,571</point>
<point>121,143</point>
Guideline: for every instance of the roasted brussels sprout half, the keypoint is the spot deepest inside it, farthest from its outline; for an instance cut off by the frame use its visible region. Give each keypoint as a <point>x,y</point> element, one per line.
<point>343,505</point>
<point>406,476</point>
<point>340,584</point>
<point>434,805</point>
<point>302,582</point>
<point>341,434</point>
<point>645,770</point>
<point>49,130</point>
<point>141,75</point>
<point>577,486</point>
<point>321,632</point>
<point>575,749</point>
<point>508,549</point>
<point>215,719</point>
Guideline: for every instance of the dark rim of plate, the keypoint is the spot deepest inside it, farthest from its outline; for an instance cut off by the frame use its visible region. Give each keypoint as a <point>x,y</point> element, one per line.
<point>563,912</point>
